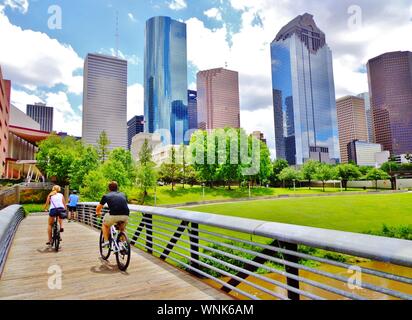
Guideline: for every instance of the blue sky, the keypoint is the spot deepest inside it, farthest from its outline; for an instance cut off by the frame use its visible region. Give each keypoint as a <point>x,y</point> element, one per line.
<point>46,64</point>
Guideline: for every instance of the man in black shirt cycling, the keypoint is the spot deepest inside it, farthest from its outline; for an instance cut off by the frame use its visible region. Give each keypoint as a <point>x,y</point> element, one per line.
<point>118,210</point>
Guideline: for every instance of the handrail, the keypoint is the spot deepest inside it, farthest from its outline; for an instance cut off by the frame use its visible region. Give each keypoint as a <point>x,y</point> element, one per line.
<point>196,248</point>
<point>389,250</point>
<point>10,219</point>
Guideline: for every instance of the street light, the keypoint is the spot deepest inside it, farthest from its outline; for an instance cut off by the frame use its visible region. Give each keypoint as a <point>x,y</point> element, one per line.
<point>203,187</point>
<point>294,185</point>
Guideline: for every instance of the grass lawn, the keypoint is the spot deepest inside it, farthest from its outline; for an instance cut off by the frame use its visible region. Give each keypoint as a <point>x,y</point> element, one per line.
<point>165,195</point>
<point>354,213</point>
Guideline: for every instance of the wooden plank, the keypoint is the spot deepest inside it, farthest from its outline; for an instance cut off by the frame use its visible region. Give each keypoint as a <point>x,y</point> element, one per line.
<point>85,275</point>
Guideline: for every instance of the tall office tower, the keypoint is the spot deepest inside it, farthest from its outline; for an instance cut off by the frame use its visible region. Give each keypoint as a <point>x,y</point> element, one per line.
<point>192,109</point>
<point>165,79</point>
<point>134,126</point>
<point>369,116</point>
<point>390,88</point>
<point>5,88</point>
<point>218,101</point>
<point>352,123</point>
<point>303,88</point>
<point>42,114</point>
<point>105,100</point>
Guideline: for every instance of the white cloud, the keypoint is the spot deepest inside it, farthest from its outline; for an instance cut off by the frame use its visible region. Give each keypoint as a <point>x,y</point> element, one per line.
<point>177,4</point>
<point>33,59</point>
<point>213,13</point>
<point>64,119</point>
<point>131,58</point>
<point>21,99</point>
<point>20,5</point>
<point>135,100</point>
<point>208,48</point>
<point>131,17</point>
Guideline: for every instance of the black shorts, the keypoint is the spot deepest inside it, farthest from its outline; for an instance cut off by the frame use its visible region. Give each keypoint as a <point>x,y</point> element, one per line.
<point>71,209</point>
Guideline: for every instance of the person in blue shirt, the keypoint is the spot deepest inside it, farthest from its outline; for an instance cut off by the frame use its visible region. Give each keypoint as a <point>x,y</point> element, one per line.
<point>72,206</point>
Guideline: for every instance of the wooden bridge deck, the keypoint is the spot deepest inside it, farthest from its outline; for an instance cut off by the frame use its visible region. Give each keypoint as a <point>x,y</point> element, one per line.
<point>85,275</point>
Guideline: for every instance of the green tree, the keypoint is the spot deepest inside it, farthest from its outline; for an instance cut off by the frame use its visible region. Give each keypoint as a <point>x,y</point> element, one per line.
<point>56,156</point>
<point>125,158</point>
<point>169,172</point>
<point>309,170</point>
<point>94,185</point>
<point>266,167</point>
<point>324,173</point>
<point>290,174</point>
<point>390,166</point>
<point>103,144</point>
<point>146,173</point>
<point>277,167</point>
<point>347,172</point>
<point>199,146</point>
<point>88,160</point>
<point>376,175</point>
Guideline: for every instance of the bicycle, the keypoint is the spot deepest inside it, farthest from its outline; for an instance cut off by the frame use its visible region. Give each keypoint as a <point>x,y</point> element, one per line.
<point>120,247</point>
<point>56,234</point>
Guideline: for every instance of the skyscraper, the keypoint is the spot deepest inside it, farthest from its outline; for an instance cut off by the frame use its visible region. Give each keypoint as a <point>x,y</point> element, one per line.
<point>218,99</point>
<point>303,89</point>
<point>369,116</point>
<point>134,126</point>
<point>351,123</point>
<point>192,109</point>
<point>105,100</point>
<point>390,88</point>
<point>42,114</point>
<point>165,78</point>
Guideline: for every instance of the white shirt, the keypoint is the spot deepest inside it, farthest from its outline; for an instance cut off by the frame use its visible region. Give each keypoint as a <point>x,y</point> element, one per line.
<point>56,201</point>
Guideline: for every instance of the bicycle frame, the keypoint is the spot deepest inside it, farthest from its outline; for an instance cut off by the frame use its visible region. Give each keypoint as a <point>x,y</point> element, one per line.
<point>114,233</point>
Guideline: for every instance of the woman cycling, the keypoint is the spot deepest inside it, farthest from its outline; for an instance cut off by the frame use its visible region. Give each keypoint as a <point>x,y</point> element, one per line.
<point>57,202</point>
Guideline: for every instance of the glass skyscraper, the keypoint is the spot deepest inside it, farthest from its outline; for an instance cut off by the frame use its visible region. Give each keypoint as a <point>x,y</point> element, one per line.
<point>304,91</point>
<point>165,78</point>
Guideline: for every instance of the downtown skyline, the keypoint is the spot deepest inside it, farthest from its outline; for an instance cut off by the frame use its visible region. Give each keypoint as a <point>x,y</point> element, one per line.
<point>250,37</point>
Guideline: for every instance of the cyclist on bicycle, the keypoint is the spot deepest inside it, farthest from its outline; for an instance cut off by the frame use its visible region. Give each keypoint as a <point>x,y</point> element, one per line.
<point>118,210</point>
<point>57,202</point>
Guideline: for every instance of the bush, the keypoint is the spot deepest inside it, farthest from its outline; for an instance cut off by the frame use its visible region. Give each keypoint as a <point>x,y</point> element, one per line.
<point>401,232</point>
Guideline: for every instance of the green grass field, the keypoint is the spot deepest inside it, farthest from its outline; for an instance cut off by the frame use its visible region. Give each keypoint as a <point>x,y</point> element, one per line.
<point>354,213</point>
<point>165,195</point>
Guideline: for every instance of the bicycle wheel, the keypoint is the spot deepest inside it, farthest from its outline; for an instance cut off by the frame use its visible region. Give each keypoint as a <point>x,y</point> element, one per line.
<point>56,238</point>
<point>123,256</point>
<point>104,251</point>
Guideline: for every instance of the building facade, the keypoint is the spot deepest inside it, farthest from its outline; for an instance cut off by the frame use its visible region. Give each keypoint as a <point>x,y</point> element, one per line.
<point>134,126</point>
<point>5,89</point>
<point>369,116</point>
<point>390,88</point>
<point>304,90</point>
<point>218,101</point>
<point>105,100</point>
<point>165,79</point>
<point>364,153</point>
<point>192,109</point>
<point>42,114</point>
<point>352,124</point>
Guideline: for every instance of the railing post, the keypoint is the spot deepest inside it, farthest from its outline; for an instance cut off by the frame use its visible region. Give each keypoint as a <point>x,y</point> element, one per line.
<point>292,270</point>
<point>18,189</point>
<point>149,232</point>
<point>194,246</point>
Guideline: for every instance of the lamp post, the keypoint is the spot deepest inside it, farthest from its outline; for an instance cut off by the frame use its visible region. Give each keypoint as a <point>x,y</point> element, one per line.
<point>203,191</point>
<point>250,194</point>
<point>294,185</point>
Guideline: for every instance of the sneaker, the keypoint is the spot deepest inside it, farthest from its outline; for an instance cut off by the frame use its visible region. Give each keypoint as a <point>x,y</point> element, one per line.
<point>106,244</point>
<point>61,230</point>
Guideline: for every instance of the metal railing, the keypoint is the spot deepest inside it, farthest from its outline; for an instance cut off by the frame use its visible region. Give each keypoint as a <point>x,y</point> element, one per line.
<point>252,259</point>
<point>10,219</point>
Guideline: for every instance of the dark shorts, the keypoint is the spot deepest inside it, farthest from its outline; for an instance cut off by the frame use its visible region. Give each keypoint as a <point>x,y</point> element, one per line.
<point>53,213</point>
<point>72,209</point>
